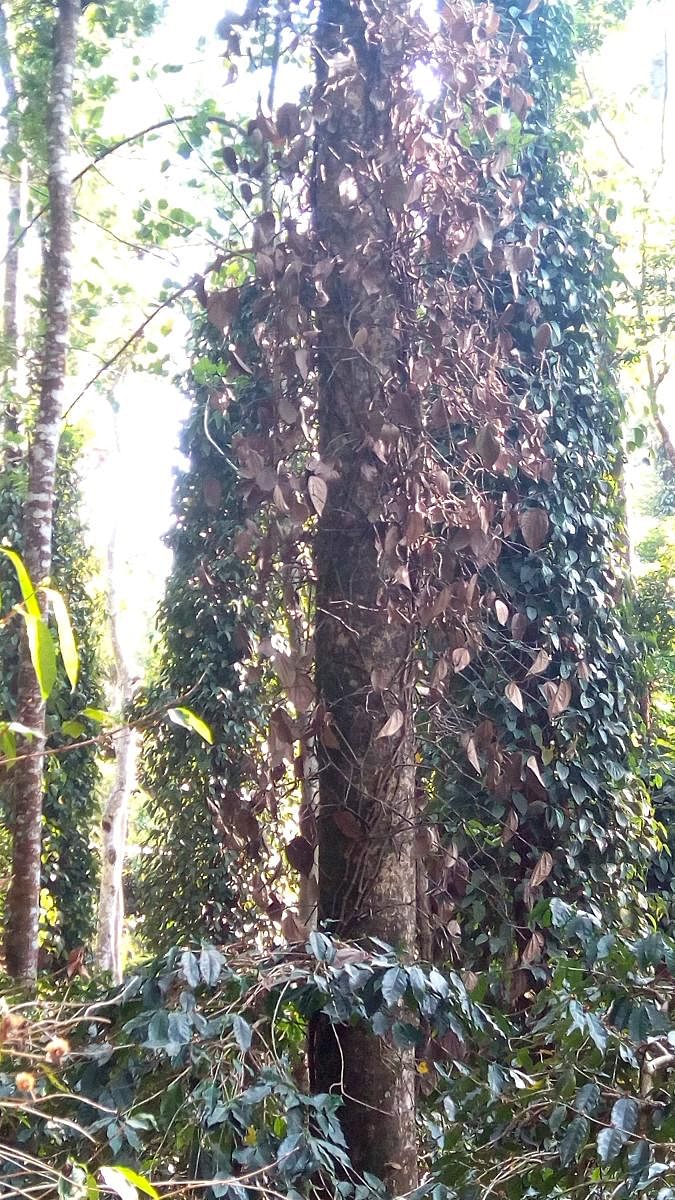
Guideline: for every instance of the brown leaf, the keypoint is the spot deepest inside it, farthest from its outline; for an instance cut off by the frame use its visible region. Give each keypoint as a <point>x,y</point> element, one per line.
<point>300,854</point>
<point>460,658</point>
<point>487,446</point>
<point>560,699</point>
<point>349,824</point>
<point>318,493</point>
<point>514,694</point>
<point>533,950</point>
<point>301,693</point>
<point>534,525</point>
<point>501,612</point>
<point>533,766</point>
<point>293,928</point>
<point>393,725</point>
<point>380,678</point>
<point>541,871</point>
<point>472,755</point>
<point>485,227</point>
<point>540,663</point>
<point>519,624</point>
<point>222,306</point>
<point>303,362</point>
<point>543,338</point>
<point>510,826</point>
<point>280,737</point>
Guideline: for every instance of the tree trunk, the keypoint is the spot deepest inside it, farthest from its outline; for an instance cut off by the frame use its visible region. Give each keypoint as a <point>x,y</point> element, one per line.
<point>363,641</point>
<point>10,323</point>
<point>115,814</point>
<point>24,894</point>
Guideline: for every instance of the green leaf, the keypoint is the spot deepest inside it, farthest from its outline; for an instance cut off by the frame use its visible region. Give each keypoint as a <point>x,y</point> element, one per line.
<point>126,1183</point>
<point>189,720</point>
<point>210,963</point>
<point>405,1035</point>
<point>71,659</point>
<point>576,1136</point>
<point>72,728</point>
<point>28,594</point>
<point>321,947</point>
<point>625,1114</point>
<point>587,1098</point>
<point>639,1156</point>
<point>42,654</point>
<point>610,1143</point>
<point>394,984</point>
<point>190,968</point>
<point>242,1032</point>
<point>99,715</point>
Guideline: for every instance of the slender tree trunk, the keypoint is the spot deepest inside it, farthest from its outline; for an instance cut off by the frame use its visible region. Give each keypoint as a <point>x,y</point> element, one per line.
<point>10,321</point>
<point>115,814</point>
<point>24,894</point>
<point>366,781</point>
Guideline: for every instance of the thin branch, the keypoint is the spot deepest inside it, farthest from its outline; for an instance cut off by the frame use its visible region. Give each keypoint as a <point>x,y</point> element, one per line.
<point>133,137</point>
<point>664,107</point>
<point>607,128</point>
<point>195,283</point>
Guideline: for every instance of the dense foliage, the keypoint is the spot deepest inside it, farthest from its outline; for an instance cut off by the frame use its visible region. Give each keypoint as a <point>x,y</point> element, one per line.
<point>548,708</point>
<point>194,1071</point>
<point>201,811</point>
<point>72,780</point>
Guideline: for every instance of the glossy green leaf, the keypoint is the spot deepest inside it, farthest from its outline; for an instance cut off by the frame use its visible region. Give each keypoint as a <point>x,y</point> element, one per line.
<point>575,1138</point>
<point>610,1143</point>
<point>189,720</point>
<point>67,646</point>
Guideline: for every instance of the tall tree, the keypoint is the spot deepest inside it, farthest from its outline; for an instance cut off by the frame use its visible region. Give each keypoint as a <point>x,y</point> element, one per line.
<point>24,896</point>
<point>366,886</point>
<point>14,165</point>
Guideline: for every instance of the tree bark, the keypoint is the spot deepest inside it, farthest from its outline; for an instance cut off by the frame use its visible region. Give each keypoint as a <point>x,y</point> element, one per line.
<point>115,814</point>
<point>366,882</point>
<point>10,321</point>
<point>24,894</point>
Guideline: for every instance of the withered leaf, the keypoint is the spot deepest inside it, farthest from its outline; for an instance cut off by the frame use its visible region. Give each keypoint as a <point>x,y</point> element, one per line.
<point>533,766</point>
<point>534,525</point>
<point>533,950</point>
<point>487,446</point>
<point>393,724</point>
<point>300,854</point>
<point>293,928</point>
<point>485,227</point>
<point>540,663</point>
<point>380,678</point>
<point>543,338</point>
<point>519,624</point>
<point>461,658</point>
<point>541,871</point>
<point>349,824</point>
<point>510,826</point>
<point>318,493</point>
<point>301,693</point>
<point>221,307</point>
<point>472,755</point>
<point>501,612</point>
<point>302,360</point>
<point>514,694</point>
<point>560,699</point>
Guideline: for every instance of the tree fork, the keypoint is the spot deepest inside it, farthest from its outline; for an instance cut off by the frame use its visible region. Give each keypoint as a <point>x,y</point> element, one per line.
<point>363,626</point>
<point>21,936</point>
